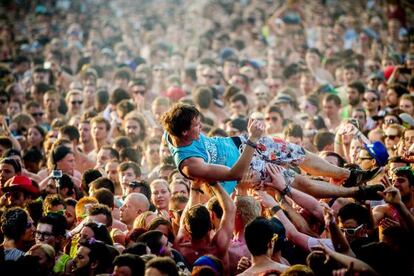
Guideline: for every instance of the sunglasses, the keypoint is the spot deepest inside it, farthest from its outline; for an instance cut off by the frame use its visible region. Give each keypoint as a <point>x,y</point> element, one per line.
<point>44,235</point>
<point>13,194</point>
<point>390,122</point>
<point>351,231</point>
<point>371,100</point>
<point>55,213</point>
<point>172,213</point>
<point>37,114</point>
<point>76,102</point>
<point>365,158</point>
<point>273,119</point>
<point>141,92</point>
<point>391,137</point>
<point>3,101</point>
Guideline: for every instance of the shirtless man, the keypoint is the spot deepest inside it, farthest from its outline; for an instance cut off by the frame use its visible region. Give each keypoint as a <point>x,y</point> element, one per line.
<point>260,239</point>
<point>196,221</point>
<point>399,208</point>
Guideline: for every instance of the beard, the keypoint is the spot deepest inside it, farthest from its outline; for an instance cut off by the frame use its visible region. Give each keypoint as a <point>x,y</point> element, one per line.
<point>83,271</point>
<point>134,138</point>
<point>354,102</point>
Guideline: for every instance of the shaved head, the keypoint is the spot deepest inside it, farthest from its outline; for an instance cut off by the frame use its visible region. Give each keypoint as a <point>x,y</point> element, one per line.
<point>134,204</point>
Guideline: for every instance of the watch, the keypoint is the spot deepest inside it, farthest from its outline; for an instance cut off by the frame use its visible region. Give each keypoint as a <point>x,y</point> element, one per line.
<point>275,209</point>
<point>251,144</point>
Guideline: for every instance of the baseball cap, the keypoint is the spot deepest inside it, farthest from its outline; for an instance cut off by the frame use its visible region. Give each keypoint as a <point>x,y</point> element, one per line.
<point>239,123</point>
<point>377,76</point>
<point>407,119</point>
<point>378,151</point>
<point>21,182</point>
<point>207,261</point>
<point>283,98</point>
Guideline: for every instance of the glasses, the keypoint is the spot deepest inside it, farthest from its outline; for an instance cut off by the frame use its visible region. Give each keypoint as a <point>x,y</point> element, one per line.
<point>141,92</point>
<point>392,137</point>
<point>54,213</point>
<point>390,122</point>
<point>37,114</point>
<point>172,213</point>
<point>371,100</point>
<point>209,76</point>
<point>364,158</point>
<point>351,231</point>
<point>44,235</point>
<point>14,194</point>
<point>273,119</point>
<point>76,102</point>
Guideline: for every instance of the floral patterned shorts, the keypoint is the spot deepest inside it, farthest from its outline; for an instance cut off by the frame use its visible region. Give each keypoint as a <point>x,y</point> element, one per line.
<point>276,151</point>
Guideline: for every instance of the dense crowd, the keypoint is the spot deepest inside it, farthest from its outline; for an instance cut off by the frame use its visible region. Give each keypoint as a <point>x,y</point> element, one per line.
<point>208,137</point>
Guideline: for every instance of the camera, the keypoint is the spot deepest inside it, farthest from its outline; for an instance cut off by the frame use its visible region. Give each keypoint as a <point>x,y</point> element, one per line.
<point>57,174</point>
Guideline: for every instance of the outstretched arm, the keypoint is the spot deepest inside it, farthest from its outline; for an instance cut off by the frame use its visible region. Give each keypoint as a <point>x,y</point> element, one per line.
<point>315,165</point>
<point>292,233</point>
<point>193,199</point>
<point>338,239</point>
<point>225,230</point>
<point>196,167</point>
<point>392,196</point>
<point>347,261</point>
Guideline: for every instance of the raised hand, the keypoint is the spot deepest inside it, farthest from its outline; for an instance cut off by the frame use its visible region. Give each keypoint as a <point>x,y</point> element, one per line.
<point>275,172</point>
<point>391,195</point>
<point>385,181</point>
<point>328,215</point>
<point>256,129</point>
<point>387,222</point>
<point>265,199</point>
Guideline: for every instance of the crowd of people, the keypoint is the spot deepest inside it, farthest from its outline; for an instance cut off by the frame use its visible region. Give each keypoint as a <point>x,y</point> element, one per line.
<point>207,137</point>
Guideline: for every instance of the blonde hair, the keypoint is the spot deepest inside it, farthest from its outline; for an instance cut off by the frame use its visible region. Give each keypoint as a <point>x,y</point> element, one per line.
<point>46,248</point>
<point>140,220</point>
<point>72,92</point>
<point>80,206</point>
<point>248,207</point>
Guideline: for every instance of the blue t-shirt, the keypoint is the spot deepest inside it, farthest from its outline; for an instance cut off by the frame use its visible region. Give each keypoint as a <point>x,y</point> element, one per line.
<point>213,150</point>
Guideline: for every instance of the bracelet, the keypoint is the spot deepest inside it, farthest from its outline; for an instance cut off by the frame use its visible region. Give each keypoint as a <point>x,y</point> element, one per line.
<point>285,191</point>
<point>198,190</point>
<point>251,144</point>
<point>275,209</point>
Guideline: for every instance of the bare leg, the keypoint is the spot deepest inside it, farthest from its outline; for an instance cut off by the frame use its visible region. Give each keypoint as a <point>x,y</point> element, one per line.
<point>315,165</point>
<point>320,189</point>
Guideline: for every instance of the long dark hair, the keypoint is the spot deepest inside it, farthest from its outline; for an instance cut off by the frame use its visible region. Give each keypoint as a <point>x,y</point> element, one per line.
<point>57,154</point>
<point>101,232</point>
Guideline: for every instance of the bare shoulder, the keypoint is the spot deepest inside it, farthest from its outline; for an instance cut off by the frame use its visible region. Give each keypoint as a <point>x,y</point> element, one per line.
<point>191,164</point>
<point>381,208</point>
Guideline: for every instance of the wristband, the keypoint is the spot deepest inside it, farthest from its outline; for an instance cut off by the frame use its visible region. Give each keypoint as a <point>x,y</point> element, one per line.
<point>275,209</point>
<point>251,144</point>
